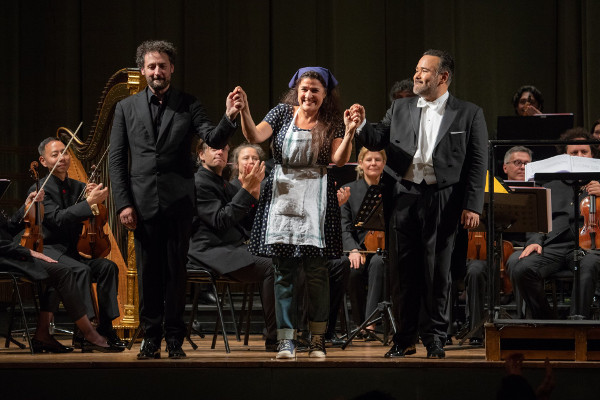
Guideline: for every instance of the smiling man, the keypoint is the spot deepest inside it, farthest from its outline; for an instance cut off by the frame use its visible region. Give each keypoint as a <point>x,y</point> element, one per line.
<point>437,150</point>
<point>153,188</point>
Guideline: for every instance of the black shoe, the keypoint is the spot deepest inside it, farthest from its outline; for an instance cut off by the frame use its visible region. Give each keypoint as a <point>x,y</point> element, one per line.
<point>89,347</point>
<point>43,347</point>
<point>77,338</point>
<point>435,350</point>
<point>476,342</point>
<point>271,345</point>
<point>175,350</point>
<point>398,351</point>
<point>112,338</point>
<point>148,351</point>
<point>206,297</point>
<point>449,341</point>
<point>333,339</point>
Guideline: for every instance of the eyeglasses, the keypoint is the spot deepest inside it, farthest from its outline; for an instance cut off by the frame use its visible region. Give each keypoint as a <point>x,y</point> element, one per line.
<point>518,163</point>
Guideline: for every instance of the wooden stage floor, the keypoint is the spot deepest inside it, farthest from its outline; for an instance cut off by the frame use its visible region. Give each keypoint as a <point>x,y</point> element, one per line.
<point>249,372</point>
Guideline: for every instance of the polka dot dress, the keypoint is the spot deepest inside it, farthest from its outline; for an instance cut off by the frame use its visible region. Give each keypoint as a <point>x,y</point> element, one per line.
<point>279,118</point>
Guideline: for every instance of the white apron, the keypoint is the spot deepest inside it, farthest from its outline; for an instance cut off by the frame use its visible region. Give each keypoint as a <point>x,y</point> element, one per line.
<point>299,194</point>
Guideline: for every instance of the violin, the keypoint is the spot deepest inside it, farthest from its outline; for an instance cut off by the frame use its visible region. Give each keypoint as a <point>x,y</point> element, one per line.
<point>589,239</point>
<point>93,240</point>
<point>374,240</point>
<point>477,250</point>
<point>33,238</point>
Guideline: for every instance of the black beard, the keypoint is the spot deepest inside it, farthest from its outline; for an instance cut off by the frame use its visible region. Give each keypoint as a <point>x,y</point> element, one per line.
<point>158,84</point>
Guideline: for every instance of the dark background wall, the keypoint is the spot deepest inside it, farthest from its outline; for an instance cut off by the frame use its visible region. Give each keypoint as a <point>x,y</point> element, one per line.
<point>59,54</point>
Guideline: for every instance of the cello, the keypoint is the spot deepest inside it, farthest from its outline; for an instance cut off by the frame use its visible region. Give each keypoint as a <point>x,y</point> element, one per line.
<point>33,238</point>
<point>477,250</point>
<point>589,237</point>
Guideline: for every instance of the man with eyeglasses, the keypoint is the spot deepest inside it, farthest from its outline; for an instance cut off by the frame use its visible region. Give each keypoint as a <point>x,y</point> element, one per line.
<point>515,160</point>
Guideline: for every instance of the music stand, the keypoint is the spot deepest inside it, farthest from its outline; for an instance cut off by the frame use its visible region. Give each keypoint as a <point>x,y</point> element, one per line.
<point>576,180</point>
<point>370,217</point>
<point>524,209</point>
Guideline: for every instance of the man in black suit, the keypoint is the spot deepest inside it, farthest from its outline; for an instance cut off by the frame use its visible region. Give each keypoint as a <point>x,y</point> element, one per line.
<point>153,188</point>
<point>65,210</point>
<point>436,147</point>
<point>225,215</point>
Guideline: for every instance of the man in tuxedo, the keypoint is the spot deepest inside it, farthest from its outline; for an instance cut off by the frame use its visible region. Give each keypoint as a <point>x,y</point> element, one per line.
<point>436,147</point>
<point>153,188</point>
<point>65,210</point>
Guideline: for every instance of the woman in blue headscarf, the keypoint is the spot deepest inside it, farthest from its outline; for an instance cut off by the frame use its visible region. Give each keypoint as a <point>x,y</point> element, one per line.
<point>298,219</point>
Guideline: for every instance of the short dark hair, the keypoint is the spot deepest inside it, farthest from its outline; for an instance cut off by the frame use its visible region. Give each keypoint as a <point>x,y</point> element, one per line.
<point>446,62</point>
<point>149,46</point>
<point>573,134</point>
<point>43,143</point>
<point>402,86</point>
<point>535,92</point>
<point>596,122</point>
<point>517,149</point>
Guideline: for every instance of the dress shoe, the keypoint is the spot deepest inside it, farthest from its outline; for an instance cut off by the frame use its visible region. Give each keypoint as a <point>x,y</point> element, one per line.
<point>206,297</point>
<point>435,350</point>
<point>89,347</point>
<point>449,341</point>
<point>175,350</point>
<point>399,351</point>
<point>112,338</point>
<point>49,347</point>
<point>77,339</point>
<point>333,339</point>
<point>271,345</point>
<point>148,351</point>
<point>476,342</point>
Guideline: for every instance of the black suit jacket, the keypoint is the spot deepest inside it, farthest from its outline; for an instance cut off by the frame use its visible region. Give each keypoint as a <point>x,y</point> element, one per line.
<point>353,238</point>
<point>63,222</point>
<point>159,174</point>
<point>13,257</point>
<point>224,215</point>
<point>460,153</point>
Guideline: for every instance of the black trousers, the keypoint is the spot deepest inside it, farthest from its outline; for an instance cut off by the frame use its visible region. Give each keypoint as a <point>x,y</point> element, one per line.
<point>63,280</point>
<point>161,247</point>
<point>423,227</point>
<point>105,274</point>
<point>365,287</point>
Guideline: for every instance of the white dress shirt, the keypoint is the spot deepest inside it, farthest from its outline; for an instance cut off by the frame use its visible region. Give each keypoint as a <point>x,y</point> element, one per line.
<point>431,118</point>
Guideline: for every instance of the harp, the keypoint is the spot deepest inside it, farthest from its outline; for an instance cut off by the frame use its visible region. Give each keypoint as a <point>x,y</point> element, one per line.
<point>121,84</point>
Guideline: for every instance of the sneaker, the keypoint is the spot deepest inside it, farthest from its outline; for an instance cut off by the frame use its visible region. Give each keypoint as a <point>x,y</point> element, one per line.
<point>317,346</point>
<point>287,349</point>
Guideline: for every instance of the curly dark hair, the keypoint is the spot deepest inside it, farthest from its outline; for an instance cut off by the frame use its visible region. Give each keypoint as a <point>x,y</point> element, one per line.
<point>575,134</point>
<point>149,46</point>
<point>329,118</point>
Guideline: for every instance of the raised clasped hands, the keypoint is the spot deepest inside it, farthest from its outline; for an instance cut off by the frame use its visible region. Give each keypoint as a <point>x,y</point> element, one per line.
<point>251,177</point>
<point>354,117</point>
<point>236,101</point>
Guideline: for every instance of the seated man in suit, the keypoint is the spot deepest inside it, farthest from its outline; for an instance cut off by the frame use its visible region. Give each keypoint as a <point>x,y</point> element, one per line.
<point>546,254</point>
<point>64,213</point>
<point>219,231</point>
<point>39,267</point>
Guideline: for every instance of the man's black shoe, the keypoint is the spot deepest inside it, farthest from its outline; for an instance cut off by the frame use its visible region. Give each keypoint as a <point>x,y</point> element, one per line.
<point>333,339</point>
<point>476,342</point>
<point>206,297</point>
<point>148,351</point>
<point>112,338</point>
<point>175,350</point>
<point>435,350</point>
<point>397,351</point>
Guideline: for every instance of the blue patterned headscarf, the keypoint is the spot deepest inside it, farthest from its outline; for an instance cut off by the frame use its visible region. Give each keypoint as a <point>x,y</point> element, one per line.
<point>327,76</point>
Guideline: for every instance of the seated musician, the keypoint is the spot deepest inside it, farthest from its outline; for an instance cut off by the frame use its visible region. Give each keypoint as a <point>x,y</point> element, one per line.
<point>247,155</point>
<point>39,267</point>
<point>220,230</point>
<point>366,270</point>
<point>64,214</point>
<point>476,276</point>
<point>546,254</point>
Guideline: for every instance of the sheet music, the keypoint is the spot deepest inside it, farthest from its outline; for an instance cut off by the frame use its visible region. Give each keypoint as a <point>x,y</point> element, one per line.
<point>562,163</point>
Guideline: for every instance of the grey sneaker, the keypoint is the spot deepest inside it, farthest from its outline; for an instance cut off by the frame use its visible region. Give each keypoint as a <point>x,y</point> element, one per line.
<point>287,349</point>
<point>317,346</point>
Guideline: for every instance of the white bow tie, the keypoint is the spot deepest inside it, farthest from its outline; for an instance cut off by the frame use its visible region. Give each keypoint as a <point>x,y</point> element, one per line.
<point>433,105</point>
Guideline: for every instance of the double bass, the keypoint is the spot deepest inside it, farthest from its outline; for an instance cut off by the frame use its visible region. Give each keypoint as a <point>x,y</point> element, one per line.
<point>33,237</point>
